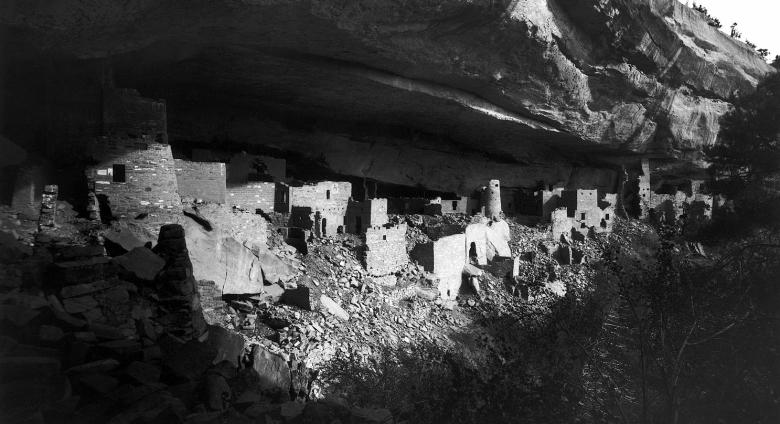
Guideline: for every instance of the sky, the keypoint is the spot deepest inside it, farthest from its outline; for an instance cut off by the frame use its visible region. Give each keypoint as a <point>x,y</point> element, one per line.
<point>759,20</point>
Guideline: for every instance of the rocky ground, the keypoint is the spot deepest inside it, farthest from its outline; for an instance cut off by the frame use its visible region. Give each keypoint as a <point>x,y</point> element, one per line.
<point>94,333</point>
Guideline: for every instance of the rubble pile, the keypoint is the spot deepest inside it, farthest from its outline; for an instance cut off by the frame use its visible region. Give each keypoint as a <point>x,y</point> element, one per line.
<point>92,338</point>
<point>136,337</point>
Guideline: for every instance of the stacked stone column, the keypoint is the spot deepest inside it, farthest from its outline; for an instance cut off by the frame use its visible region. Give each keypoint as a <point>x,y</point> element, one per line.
<point>177,286</point>
<point>48,215</point>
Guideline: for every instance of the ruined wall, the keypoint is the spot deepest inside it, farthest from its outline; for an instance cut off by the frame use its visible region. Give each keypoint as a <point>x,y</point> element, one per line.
<point>329,199</point>
<point>460,206</point>
<point>671,207</point>
<point>446,258</point>
<point>253,195</point>
<point>548,201</point>
<point>690,203</point>
<point>201,180</point>
<point>361,216</point>
<point>385,249</point>
<point>449,257</point>
<point>580,200</point>
<point>149,176</point>
<point>561,224</point>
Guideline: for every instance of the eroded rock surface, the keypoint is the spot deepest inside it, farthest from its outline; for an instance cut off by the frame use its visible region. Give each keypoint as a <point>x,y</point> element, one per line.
<point>546,84</point>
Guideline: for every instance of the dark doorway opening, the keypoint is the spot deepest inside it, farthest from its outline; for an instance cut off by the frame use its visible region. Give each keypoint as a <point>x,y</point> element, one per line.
<point>473,252</point>
<point>119,173</point>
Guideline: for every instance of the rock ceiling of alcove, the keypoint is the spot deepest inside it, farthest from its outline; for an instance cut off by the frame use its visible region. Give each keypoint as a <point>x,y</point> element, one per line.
<point>286,62</point>
<point>339,97</point>
<point>457,75</point>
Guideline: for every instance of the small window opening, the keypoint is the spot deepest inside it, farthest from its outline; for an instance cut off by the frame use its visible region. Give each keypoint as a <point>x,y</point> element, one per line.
<point>454,204</point>
<point>582,225</point>
<point>582,215</point>
<point>607,217</point>
<point>327,194</point>
<point>119,173</point>
<point>384,237</point>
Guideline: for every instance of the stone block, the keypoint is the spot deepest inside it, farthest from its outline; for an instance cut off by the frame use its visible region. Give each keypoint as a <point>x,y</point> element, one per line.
<point>302,297</point>
<point>333,308</point>
<point>141,263</point>
<point>272,370</point>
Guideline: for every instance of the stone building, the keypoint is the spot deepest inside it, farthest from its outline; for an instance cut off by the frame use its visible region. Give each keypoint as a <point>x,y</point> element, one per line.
<point>450,256</point>
<point>385,249</point>
<point>671,206</point>
<point>487,240</point>
<point>133,170</point>
<point>201,180</point>
<point>365,214</point>
<point>547,201</point>
<point>320,207</point>
<point>583,211</point>
<point>491,199</point>
<point>133,177</point>
<point>445,257</point>
<point>439,206</point>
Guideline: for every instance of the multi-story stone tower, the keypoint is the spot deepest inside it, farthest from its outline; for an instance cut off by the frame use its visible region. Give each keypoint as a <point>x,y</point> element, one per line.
<point>491,199</point>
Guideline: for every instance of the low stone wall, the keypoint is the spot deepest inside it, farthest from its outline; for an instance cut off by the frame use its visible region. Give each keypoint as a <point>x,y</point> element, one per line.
<point>201,180</point>
<point>252,196</point>
<point>385,249</point>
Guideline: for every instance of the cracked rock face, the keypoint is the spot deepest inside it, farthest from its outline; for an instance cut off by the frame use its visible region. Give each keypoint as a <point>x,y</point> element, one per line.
<point>532,82</point>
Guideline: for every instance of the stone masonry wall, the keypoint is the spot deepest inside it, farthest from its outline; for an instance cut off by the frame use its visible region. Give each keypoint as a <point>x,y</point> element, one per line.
<point>150,177</point>
<point>549,200</point>
<point>361,216</point>
<point>450,206</point>
<point>252,196</point>
<point>580,199</point>
<point>449,258</point>
<point>201,180</point>
<point>385,249</point>
<point>329,198</point>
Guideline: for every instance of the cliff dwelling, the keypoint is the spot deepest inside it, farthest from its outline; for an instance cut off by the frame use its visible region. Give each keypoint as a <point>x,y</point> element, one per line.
<point>482,211</point>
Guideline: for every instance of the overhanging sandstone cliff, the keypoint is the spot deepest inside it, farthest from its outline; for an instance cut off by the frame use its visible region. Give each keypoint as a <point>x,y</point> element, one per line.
<point>520,83</point>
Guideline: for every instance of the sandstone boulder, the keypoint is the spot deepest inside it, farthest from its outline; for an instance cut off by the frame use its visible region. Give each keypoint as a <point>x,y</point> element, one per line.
<point>122,239</point>
<point>141,263</point>
<point>333,308</point>
<point>222,259</point>
<point>273,371</point>
<point>274,269</point>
